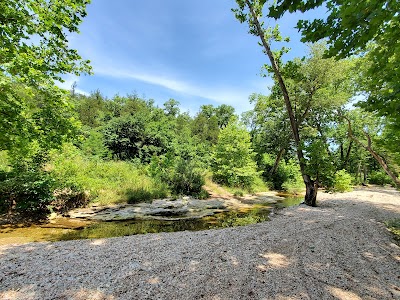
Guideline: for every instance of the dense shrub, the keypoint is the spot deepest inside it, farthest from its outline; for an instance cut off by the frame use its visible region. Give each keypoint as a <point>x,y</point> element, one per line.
<point>342,181</point>
<point>182,175</point>
<point>29,193</point>
<point>35,193</point>
<point>185,179</point>
<point>379,178</point>
<point>287,176</point>
<point>67,198</point>
<point>144,195</point>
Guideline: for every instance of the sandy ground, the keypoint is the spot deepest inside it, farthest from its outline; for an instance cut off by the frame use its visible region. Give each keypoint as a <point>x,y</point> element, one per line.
<point>339,250</point>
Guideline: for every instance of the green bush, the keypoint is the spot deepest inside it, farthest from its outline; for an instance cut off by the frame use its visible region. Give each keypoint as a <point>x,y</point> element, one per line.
<point>35,193</point>
<point>233,158</point>
<point>93,145</point>
<point>287,176</point>
<point>29,193</point>
<point>342,181</point>
<point>143,195</point>
<point>379,178</point>
<point>238,193</point>
<point>182,176</point>
<point>67,197</point>
<point>203,194</point>
<point>185,179</point>
<point>294,185</point>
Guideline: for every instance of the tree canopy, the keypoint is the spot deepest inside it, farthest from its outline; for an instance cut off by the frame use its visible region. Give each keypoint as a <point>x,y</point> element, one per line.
<point>34,54</point>
<point>369,28</point>
<point>34,39</point>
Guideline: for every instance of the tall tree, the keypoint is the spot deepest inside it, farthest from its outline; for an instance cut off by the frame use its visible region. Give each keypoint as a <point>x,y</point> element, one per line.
<point>34,53</point>
<point>251,12</point>
<point>364,135</point>
<point>356,27</point>
<point>34,39</point>
<point>310,89</point>
<point>171,107</point>
<point>233,158</point>
<point>270,130</point>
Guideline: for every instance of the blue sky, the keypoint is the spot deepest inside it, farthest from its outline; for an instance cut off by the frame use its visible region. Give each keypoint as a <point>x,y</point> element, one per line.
<point>193,51</point>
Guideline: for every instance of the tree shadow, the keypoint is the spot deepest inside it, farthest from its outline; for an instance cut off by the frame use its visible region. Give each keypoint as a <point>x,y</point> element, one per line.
<point>379,189</point>
<point>339,250</point>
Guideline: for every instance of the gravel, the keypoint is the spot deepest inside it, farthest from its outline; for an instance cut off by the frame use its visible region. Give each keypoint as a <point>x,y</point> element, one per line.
<point>339,250</point>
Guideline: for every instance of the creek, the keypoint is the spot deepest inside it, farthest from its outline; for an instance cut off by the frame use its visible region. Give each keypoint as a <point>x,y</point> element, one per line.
<point>63,228</point>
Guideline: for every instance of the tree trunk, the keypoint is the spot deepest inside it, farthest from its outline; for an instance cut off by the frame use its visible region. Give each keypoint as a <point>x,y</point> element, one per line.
<point>359,172</point>
<point>311,193</point>
<point>277,160</point>
<point>346,160</point>
<point>341,152</point>
<point>364,174</point>
<point>384,166</point>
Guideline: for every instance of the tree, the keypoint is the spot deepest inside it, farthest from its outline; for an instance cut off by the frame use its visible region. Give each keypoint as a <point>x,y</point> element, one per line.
<point>224,113</point>
<point>34,53</point>
<point>251,12</point>
<point>139,136</point>
<point>270,132</point>
<point>318,87</point>
<point>91,108</point>
<point>205,125</point>
<point>233,158</point>
<point>34,39</point>
<point>30,115</point>
<point>171,107</point>
<point>364,138</point>
<point>354,27</point>
<point>310,90</point>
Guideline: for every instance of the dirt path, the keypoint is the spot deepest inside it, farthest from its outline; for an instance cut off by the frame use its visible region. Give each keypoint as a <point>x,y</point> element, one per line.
<point>340,250</point>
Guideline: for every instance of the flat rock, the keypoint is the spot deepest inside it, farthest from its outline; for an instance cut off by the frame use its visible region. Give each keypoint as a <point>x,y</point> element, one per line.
<point>160,209</point>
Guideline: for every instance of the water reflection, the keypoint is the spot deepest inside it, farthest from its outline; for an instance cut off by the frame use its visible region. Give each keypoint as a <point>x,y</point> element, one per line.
<point>256,214</point>
<point>123,228</point>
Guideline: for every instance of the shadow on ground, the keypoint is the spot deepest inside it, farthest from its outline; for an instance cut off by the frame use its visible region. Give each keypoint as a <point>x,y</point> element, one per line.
<point>339,250</point>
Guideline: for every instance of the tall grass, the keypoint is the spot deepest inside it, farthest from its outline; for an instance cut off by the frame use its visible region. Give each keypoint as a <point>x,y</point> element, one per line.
<point>107,182</point>
<point>394,227</point>
<point>257,186</point>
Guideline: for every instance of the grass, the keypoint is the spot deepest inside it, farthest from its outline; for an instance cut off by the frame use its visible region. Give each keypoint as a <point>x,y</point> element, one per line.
<point>108,182</point>
<point>394,227</point>
<point>258,186</point>
<point>220,190</point>
<point>294,187</point>
<point>214,188</point>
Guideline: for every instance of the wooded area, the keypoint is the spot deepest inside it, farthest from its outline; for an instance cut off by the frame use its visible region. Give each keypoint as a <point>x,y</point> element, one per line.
<point>60,149</point>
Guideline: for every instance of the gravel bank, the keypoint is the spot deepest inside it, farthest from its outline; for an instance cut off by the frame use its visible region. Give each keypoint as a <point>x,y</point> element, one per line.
<point>340,250</point>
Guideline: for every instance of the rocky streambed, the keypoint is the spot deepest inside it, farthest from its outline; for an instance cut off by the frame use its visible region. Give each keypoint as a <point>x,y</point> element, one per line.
<point>161,215</point>
<point>173,209</point>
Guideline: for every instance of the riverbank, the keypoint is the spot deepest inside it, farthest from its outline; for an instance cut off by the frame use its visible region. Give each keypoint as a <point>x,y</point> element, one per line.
<point>160,215</point>
<point>339,250</point>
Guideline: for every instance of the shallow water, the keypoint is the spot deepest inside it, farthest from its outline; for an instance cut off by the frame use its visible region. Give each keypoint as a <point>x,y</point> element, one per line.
<point>67,229</point>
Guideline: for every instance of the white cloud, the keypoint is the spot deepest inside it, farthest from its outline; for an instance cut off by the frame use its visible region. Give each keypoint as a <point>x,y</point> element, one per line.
<point>232,95</point>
